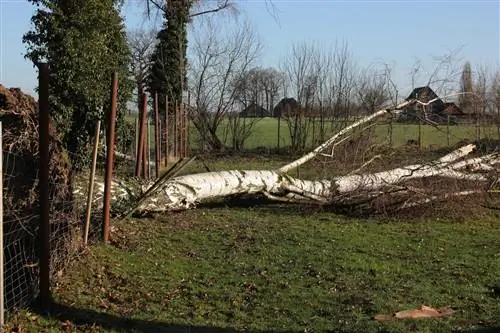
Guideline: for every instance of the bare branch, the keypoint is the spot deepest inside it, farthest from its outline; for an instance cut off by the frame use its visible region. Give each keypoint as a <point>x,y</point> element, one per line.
<point>222,4</point>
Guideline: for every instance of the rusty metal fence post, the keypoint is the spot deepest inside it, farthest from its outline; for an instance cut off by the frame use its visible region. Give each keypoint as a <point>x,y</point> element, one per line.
<point>140,142</point>
<point>157,136</point>
<point>144,141</point>
<point>175,131</point>
<point>166,131</point>
<point>148,147</point>
<point>44,230</point>
<point>110,157</point>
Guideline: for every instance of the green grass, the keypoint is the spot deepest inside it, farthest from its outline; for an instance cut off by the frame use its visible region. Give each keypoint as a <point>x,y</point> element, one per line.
<point>279,269</point>
<point>432,136</point>
<point>265,134</point>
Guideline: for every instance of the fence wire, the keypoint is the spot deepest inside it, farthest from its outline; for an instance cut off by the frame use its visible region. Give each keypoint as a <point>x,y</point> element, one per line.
<point>21,238</point>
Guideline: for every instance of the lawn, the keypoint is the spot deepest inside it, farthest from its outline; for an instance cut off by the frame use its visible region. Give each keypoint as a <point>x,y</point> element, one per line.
<point>278,268</point>
<point>265,133</point>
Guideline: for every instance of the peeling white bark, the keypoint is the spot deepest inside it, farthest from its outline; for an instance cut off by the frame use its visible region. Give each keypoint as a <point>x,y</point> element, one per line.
<point>187,191</point>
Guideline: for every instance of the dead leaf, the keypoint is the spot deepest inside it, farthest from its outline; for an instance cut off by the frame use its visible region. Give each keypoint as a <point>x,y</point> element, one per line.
<point>383,317</point>
<point>67,326</point>
<point>422,312</point>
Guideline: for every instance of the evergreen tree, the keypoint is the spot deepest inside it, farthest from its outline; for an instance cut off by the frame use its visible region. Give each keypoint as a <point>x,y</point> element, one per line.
<point>168,74</point>
<point>84,42</point>
<point>466,88</point>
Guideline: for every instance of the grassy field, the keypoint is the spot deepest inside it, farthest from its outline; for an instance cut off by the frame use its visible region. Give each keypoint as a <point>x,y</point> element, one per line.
<point>265,134</point>
<point>278,268</point>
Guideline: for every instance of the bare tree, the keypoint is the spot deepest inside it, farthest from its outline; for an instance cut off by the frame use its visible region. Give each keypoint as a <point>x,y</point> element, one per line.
<point>272,82</point>
<point>299,70</point>
<point>323,80</point>
<point>199,7</point>
<point>248,94</point>
<point>343,80</point>
<point>480,99</point>
<point>249,88</point>
<point>445,72</point>
<point>494,99</point>
<point>217,62</point>
<point>323,62</point>
<point>393,93</point>
<point>141,43</point>
<point>255,93</point>
<point>373,89</point>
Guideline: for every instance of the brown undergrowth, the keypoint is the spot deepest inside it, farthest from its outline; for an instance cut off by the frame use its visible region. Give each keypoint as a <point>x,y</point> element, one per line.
<point>19,117</point>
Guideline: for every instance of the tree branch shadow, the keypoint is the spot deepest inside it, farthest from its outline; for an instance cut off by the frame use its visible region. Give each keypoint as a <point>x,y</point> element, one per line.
<point>89,317</point>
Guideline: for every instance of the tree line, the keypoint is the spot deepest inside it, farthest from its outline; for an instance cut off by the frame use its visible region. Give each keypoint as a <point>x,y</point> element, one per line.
<point>85,41</point>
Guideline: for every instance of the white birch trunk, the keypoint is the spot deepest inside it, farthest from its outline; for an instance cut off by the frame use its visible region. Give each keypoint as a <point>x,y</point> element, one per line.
<point>187,191</point>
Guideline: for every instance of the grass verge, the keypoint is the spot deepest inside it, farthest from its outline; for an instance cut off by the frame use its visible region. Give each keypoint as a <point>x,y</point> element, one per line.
<point>280,269</point>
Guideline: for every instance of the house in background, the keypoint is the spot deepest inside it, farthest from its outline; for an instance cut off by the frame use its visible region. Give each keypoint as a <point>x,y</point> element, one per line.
<point>436,111</point>
<point>288,106</point>
<point>451,109</point>
<point>255,111</point>
<point>425,95</point>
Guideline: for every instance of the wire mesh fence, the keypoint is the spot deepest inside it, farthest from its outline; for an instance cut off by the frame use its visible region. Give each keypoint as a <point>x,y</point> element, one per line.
<point>21,187</point>
<point>21,231</point>
<point>27,266</point>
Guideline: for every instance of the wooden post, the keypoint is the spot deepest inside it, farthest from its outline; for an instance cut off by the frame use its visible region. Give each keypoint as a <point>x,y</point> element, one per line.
<point>179,130</point>
<point>448,131</point>
<point>90,191</point>
<point>148,145</point>
<point>174,132</point>
<point>279,130</point>
<point>182,130</point>
<point>157,137</point>
<point>420,134</point>
<point>139,167</point>
<point>390,133</point>
<point>145,156</point>
<point>110,157</point>
<point>136,151</point>
<point>186,130</point>
<point>188,141</point>
<point>160,129</point>
<point>420,130</point>
<point>44,230</point>
<point>166,131</point>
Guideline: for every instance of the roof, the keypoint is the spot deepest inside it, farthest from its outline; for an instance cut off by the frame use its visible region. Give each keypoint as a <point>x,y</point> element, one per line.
<point>255,110</point>
<point>284,103</point>
<point>423,94</point>
<point>452,109</point>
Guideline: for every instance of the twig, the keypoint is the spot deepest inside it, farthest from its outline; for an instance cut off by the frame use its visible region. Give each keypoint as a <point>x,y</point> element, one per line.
<point>335,137</point>
<point>376,157</point>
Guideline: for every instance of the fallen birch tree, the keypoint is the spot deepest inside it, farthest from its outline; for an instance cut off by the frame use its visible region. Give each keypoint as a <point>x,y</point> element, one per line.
<point>185,192</point>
